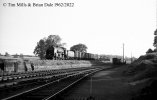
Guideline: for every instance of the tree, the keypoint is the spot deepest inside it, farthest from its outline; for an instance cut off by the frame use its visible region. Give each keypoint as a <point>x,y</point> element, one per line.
<point>155,50</point>
<point>149,51</point>
<point>44,44</point>
<point>21,55</point>
<point>7,54</point>
<point>40,49</point>
<point>155,39</point>
<point>79,47</point>
<point>53,40</point>
<point>16,55</point>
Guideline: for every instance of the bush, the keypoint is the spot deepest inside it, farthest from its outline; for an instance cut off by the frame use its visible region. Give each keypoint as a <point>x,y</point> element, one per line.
<point>150,56</point>
<point>149,51</point>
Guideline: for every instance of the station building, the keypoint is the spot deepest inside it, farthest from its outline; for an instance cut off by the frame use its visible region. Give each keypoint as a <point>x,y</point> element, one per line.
<point>9,64</point>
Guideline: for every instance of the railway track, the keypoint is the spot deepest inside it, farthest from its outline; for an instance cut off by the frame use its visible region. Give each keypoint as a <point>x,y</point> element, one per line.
<point>28,75</point>
<point>17,76</point>
<point>51,87</point>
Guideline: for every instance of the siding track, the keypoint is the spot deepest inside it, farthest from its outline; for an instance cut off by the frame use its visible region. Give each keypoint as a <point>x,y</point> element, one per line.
<point>52,89</point>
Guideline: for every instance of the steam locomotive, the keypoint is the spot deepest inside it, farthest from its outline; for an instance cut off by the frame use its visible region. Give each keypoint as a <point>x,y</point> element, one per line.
<point>118,61</point>
<point>60,53</point>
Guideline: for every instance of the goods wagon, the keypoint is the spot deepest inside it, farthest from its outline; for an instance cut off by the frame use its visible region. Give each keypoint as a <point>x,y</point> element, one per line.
<point>60,53</point>
<point>86,56</point>
<point>70,54</point>
<point>118,61</point>
<point>77,55</point>
<point>83,55</point>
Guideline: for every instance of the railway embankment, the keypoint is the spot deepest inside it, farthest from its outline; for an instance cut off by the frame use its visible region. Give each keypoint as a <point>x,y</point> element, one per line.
<point>142,75</point>
<point>58,64</point>
<point>137,81</point>
<point>15,65</point>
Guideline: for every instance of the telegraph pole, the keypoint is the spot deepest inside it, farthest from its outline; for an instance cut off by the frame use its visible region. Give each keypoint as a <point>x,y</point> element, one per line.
<point>131,57</point>
<point>123,52</point>
<point>156,13</point>
<point>155,32</point>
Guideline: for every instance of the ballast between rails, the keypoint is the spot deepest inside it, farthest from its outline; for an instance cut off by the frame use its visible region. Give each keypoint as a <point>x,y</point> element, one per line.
<point>84,73</point>
<point>53,96</point>
<point>38,77</point>
<point>35,74</point>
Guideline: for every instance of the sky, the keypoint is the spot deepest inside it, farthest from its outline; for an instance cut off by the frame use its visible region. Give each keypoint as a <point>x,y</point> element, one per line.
<point>102,25</point>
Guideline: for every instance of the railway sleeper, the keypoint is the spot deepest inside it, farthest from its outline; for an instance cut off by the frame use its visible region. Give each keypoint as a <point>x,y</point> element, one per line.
<point>69,78</point>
